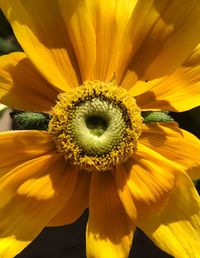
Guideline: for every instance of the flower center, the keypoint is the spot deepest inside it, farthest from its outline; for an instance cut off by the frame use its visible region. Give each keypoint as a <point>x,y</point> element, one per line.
<point>97,126</point>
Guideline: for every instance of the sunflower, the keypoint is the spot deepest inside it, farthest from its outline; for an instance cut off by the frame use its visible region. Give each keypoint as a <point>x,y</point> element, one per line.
<point>94,66</point>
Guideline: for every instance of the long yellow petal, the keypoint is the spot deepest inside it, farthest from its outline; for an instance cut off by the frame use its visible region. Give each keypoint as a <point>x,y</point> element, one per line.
<point>121,177</point>
<point>160,36</point>
<point>17,147</point>
<point>78,202</point>
<point>37,191</point>
<point>96,29</point>
<point>108,231</point>
<point>176,229</point>
<point>179,92</point>
<point>40,30</point>
<point>22,87</point>
<point>77,18</point>
<point>150,179</point>
<point>175,144</point>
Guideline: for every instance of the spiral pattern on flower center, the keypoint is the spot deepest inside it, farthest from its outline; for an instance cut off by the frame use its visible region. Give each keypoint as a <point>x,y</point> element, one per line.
<point>97,126</point>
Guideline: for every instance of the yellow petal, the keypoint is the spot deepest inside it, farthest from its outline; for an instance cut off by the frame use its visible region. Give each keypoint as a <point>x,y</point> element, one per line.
<point>17,147</point>
<point>77,203</point>
<point>29,183</point>
<point>22,87</point>
<point>121,177</point>
<point>76,15</point>
<point>175,144</point>
<point>141,87</point>
<point>150,179</point>
<point>30,208</point>
<point>176,229</point>
<point>40,30</point>
<point>160,36</point>
<point>29,178</point>
<point>108,231</point>
<point>179,92</point>
<point>43,180</point>
<point>96,30</point>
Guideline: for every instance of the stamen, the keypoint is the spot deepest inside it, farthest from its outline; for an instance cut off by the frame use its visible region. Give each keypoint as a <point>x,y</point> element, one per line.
<point>97,126</point>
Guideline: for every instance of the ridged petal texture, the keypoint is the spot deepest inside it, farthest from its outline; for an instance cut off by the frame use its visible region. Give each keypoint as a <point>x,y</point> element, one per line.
<point>149,47</point>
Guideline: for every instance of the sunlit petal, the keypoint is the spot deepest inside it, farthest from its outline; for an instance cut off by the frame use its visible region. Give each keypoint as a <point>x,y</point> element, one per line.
<point>179,92</point>
<point>77,203</point>
<point>17,147</point>
<point>160,36</point>
<point>26,210</point>
<point>176,229</point>
<point>108,231</point>
<point>22,87</point>
<point>175,144</point>
<point>42,34</point>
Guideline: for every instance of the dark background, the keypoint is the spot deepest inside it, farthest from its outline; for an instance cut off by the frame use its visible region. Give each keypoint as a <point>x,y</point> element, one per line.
<point>69,241</point>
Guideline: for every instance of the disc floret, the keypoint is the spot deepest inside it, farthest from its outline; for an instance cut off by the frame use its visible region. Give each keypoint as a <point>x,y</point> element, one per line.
<point>97,126</point>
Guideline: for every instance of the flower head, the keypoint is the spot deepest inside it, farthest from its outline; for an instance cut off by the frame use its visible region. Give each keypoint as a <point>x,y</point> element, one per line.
<point>94,66</point>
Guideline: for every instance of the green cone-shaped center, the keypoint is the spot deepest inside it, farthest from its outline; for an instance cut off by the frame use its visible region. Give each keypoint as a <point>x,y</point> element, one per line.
<point>97,126</point>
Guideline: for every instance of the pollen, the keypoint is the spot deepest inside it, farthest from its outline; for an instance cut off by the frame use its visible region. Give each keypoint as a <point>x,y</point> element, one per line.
<point>97,126</point>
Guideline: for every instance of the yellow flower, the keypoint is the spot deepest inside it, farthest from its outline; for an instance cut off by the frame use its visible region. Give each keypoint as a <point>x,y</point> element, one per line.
<point>140,50</point>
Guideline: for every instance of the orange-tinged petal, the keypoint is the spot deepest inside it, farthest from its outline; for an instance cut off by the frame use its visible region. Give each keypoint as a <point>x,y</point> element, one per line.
<point>10,183</point>
<point>110,19</point>
<point>96,30</point>
<point>108,231</point>
<point>22,87</point>
<point>29,178</point>
<point>78,202</point>
<point>49,184</point>
<point>179,92</point>
<point>121,177</point>
<point>17,147</point>
<point>160,36</point>
<point>23,183</point>
<point>176,229</point>
<point>141,87</point>
<point>40,30</point>
<point>150,178</point>
<point>175,144</point>
<point>76,15</point>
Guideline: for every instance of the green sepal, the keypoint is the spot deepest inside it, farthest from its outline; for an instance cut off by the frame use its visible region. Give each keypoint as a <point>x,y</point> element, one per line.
<point>152,117</point>
<point>29,120</point>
